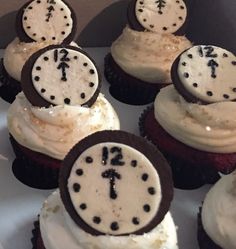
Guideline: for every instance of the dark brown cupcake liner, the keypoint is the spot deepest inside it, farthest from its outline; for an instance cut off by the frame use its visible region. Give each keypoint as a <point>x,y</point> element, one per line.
<point>36,240</point>
<point>34,172</point>
<point>127,88</point>
<point>9,87</point>
<point>185,175</point>
<point>204,241</point>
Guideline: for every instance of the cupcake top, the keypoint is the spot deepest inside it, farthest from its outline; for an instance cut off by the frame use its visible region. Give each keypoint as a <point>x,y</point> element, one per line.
<point>148,45</point>
<point>59,108</point>
<point>38,24</point>
<point>128,201</point>
<point>201,120</point>
<point>219,214</point>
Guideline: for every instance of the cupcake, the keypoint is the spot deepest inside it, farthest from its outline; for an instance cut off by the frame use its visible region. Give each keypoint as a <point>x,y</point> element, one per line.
<point>56,24</point>
<point>125,207</point>
<point>192,121</point>
<point>140,59</point>
<point>60,105</point>
<point>216,220</point>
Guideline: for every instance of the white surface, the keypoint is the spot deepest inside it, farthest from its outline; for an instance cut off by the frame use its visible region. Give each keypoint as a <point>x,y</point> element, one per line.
<point>20,205</point>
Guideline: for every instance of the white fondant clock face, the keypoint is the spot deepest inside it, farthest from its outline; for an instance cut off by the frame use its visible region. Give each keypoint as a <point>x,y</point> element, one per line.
<point>162,16</point>
<point>114,188</point>
<point>208,73</point>
<point>47,20</point>
<point>65,76</point>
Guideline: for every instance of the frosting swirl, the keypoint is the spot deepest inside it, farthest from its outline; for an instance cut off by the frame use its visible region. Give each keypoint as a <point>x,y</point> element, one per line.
<point>59,231</point>
<point>146,55</point>
<point>210,128</point>
<point>17,53</point>
<point>219,213</point>
<point>54,131</point>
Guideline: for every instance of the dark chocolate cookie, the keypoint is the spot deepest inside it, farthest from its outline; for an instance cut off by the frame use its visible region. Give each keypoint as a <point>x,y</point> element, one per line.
<point>162,16</point>
<point>116,183</point>
<point>205,74</point>
<point>58,75</point>
<point>46,20</point>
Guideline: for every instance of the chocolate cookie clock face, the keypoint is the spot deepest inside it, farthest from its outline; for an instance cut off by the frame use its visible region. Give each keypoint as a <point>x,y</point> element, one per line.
<point>111,186</point>
<point>205,74</point>
<point>162,16</point>
<point>46,20</point>
<point>59,75</point>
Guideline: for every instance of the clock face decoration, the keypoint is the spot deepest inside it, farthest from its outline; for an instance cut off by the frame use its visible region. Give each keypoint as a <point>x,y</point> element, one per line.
<point>205,74</point>
<point>59,75</point>
<point>46,21</point>
<point>111,187</point>
<point>162,16</point>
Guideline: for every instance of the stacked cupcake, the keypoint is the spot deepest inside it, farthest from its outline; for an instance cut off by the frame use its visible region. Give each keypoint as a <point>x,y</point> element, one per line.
<point>193,121</point>
<point>126,206</point>
<point>60,104</point>
<point>39,23</point>
<point>140,59</point>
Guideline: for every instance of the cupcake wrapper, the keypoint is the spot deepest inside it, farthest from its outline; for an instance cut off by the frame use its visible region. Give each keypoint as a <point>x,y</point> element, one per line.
<point>33,172</point>
<point>126,88</point>
<point>204,240</point>
<point>185,174</point>
<point>36,239</point>
<point>9,87</point>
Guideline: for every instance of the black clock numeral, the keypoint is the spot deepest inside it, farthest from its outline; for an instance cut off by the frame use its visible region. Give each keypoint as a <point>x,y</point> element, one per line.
<point>209,52</point>
<point>112,175</point>
<point>213,64</point>
<point>116,160</point>
<point>51,1</point>
<point>65,55</point>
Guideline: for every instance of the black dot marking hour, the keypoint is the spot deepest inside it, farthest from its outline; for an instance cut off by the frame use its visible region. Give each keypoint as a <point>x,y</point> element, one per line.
<point>151,191</point>
<point>76,187</point>
<point>38,1</point>
<point>38,68</point>
<point>36,78</point>
<point>34,34</point>
<point>25,18</point>
<point>184,63</point>
<point>209,93</point>
<point>186,75</point>
<point>53,38</point>
<point>135,220</point>
<point>62,9</point>
<point>46,58</point>
<point>134,163</point>
<point>75,57</point>
<point>141,3</point>
<point>67,24</point>
<point>226,96</point>
<point>140,10</point>
<point>85,64</point>
<point>91,84</point>
<point>234,89</point>
<point>177,1</point>
<point>144,20</point>
<point>164,28</point>
<point>43,90</point>
<point>92,71</point>
<point>67,101</point>
<point>144,177</point>
<point>225,55</point>
<point>79,172</point>
<point>190,56</point>
<point>43,39</point>
<point>30,8</point>
<point>82,95</point>
<point>114,226</point>
<point>83,206</point>
<point>180,18</point>
<point>63,32</point>
<point>28,27</point>
<point>181,7</point>
<point>88,159</point>
<point>151,26</point>
<point>195,85</point>
<point>160,12</point>
<point>96,219</point>
<point>233,63</point>
<point>146,208</point>
<point>52,97</point>
<point>174,24</point>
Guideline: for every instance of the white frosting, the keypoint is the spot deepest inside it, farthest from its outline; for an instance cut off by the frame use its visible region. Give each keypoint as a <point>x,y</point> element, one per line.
<point>56,227</point>
<point>208,73</point>
<point>209,127</point>
<point>125,201</point>
<point>53,131</point>
<point>219,212</point>
<point>148,56</point>
<point>71,73</point>
<point>161,16</point>
<point>47,20</point>
<point>17,53</point>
